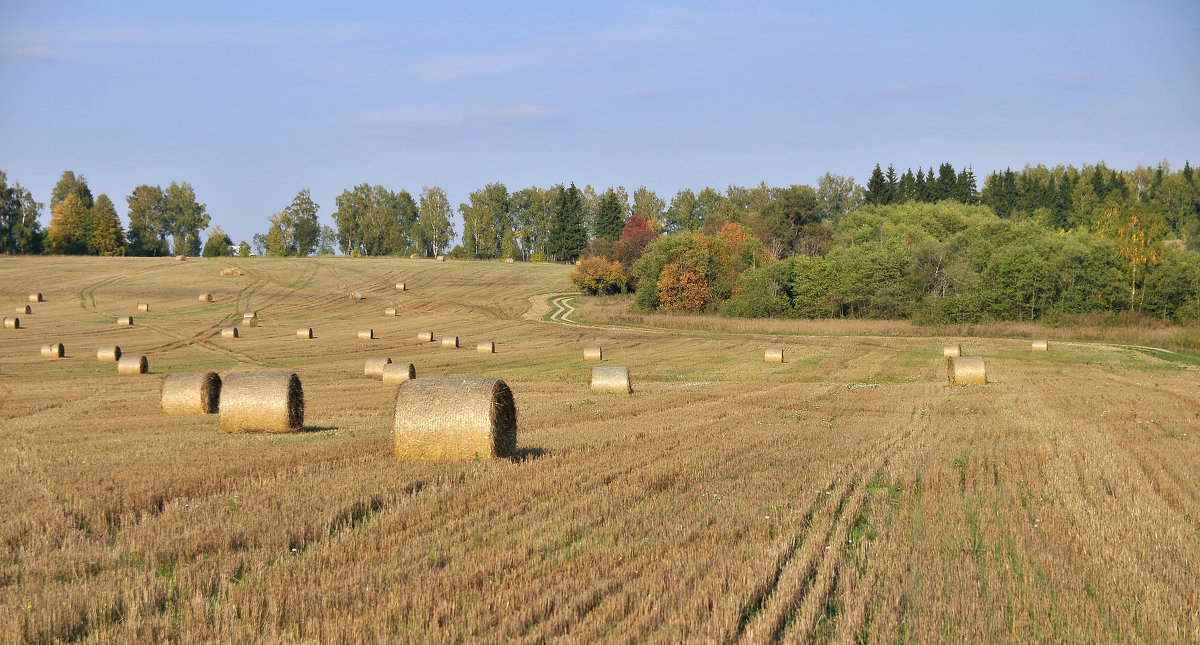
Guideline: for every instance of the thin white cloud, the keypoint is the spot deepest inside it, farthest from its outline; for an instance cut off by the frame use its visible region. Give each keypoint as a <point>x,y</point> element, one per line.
<point>35,52</point>
<point>927,87</point>
<point>1074,79</point>
<point>416,121</point>
<point>639,92</point>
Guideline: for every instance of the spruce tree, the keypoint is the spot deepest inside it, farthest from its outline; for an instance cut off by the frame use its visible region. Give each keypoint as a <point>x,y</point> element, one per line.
<point>920,190</point>
<point>568,237</point>
<point>876,187</point>
<point>908,187</point>
<point>609,217</point>
<point>893,186</point>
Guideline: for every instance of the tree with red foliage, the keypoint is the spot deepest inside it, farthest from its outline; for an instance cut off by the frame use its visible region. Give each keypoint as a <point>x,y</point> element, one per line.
<point>634,238</point>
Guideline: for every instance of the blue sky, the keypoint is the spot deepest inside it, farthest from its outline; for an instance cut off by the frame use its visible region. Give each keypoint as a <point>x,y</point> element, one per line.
<point>250,101</point>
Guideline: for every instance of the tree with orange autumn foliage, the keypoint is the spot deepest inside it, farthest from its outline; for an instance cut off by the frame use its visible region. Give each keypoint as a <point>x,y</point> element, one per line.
<point>1138,234</point>
<point>682,287</point>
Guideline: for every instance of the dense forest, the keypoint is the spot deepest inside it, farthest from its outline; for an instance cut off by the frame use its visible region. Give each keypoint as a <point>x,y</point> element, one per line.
<point>928,245</point>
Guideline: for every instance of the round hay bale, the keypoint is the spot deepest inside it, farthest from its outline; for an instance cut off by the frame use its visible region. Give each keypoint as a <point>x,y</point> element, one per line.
<point>108,354</point>
<point>773,355</point>
<point>414,256</point>
<point>374,366</point>
<point>485,347</point>
<point>593,353</point>
<point>12,322</point>
<point>391,311</point>
<point>425,336</point>
<point>53,350</point>
<point>24,309</point>
<point>1041,346</point>
<point>366,334</point>
<point>950,351</point>
<point>250,320</point>
<point>35,297</point>
<point>266,401</point>
<point>125,321</point>
<point>225,271</point>
<point>509,260</point>
<point>450,342</point>
<point>181,258</point>
<point>966,370</point>
<point>400,286</point>
<point>191,393</point>
<point>356,295</point>
<point>229,332</point>
<point>131,364</point>
<point>143,307</point>
<point>454,418</point>
<point>610,380</point>
<point>304,333</point>
<point>398,372</point>
<point>206,297</point>
<point>441,258</point>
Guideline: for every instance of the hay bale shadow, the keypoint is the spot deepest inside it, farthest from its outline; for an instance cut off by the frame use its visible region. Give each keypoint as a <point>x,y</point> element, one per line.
<point>523,455</point>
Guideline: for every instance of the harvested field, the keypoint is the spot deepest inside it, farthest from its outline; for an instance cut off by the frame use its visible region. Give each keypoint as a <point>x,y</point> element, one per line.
<point>847,494</point>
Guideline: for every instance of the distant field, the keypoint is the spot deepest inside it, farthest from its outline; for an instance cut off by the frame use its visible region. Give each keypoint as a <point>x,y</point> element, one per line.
<point>845,495</point>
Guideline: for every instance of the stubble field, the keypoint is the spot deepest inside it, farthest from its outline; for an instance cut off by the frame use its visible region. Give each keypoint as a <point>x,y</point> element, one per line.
<point>846,495</point>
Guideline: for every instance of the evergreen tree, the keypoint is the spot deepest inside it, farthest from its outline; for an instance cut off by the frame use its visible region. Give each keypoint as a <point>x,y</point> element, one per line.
<point>946,181</point>
<point>68,184</point>
<point>908,187</point>
<point>568,237</point>
<point>609,217</point>
<point>107,236</point>
<point>919,190</point>
<point>891,195</point>
<point>218,245</point>
<point>1187,172</point>
<point>876,187</point>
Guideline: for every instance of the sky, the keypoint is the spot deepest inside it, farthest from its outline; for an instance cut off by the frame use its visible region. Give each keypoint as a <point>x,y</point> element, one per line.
<point>251,102</point>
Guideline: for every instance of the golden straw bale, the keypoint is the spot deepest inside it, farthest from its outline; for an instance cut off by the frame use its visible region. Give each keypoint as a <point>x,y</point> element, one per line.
<point>450,342</point>
<point>231,271</point>
<point>143,307</point>
<point>400,286</point>
<point>24,309</point>
<point>181,258</point>
<point>250,320</point>
<point>611,380</point>
<point>125,321</point>
<point>398,372</point>
<point>441,258</point>
<point>229,332</point>
<point>485,347</point>
<point>131,364</point>
<point>414,256</point>
<point>425,336</point>
<point>206,297</point>
<point>949,351</point>
<point>391,311</point>
<point>53,350</point>
<point>374,366</point>
<point>108,353</point>
<point>1041,346</point>
<point>191,393</point>
<point>304,332</point>
<point>12,322</point>
<point>966,370</point>
<point>35,297</point>
<point>356,295</point>
<point>366,334</point>
<point>265,401</point>
<point>509,260</point>
<point>773,355</point>
<point>593,353</point>
<point>454,418</point>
